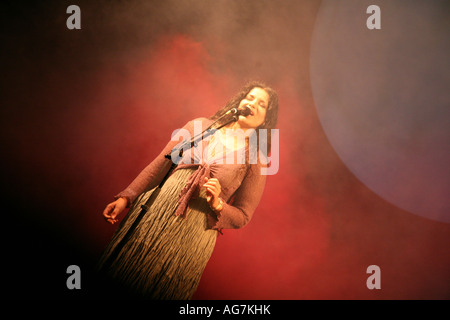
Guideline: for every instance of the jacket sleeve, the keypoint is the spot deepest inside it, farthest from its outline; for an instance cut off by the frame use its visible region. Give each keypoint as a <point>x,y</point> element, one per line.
<point>246,199</point>
<point>153,174</point>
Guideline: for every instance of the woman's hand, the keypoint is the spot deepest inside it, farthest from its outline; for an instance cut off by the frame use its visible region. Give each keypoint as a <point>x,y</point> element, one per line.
<point>113,209</point>
<point>213,190</point>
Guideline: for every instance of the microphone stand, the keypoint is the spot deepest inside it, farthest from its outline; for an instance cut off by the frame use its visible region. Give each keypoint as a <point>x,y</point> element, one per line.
<point>146,206</point>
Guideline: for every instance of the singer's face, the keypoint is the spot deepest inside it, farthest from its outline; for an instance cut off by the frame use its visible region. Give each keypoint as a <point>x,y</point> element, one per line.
<point>257,100</point>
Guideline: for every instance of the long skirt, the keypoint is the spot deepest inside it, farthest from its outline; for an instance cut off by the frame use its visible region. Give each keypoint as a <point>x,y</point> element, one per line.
<point>167,254</point>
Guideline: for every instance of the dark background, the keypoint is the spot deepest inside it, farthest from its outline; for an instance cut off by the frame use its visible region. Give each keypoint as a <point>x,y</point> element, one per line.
<point>83,111</point>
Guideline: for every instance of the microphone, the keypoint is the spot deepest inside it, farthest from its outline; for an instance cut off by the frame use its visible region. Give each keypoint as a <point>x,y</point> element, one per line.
<point>244,111</point>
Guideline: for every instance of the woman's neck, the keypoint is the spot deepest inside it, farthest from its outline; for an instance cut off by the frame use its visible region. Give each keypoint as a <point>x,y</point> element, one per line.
<point>235,126</point>
<point>230,139</point>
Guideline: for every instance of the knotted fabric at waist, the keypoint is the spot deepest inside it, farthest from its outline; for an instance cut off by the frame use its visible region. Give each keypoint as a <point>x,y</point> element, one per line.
<point>192,187</point>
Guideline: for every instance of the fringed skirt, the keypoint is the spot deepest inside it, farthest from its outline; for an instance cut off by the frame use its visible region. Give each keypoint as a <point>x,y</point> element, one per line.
<point>166,255</point>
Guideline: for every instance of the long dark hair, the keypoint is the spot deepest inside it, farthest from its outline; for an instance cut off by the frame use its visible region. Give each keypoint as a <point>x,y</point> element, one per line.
<point>271,112</point>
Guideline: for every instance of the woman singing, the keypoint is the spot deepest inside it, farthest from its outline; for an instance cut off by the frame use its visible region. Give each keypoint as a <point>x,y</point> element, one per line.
<point>169,248</point>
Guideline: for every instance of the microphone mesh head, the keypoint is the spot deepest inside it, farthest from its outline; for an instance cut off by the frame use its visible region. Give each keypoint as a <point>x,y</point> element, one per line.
<point>245,111</point>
